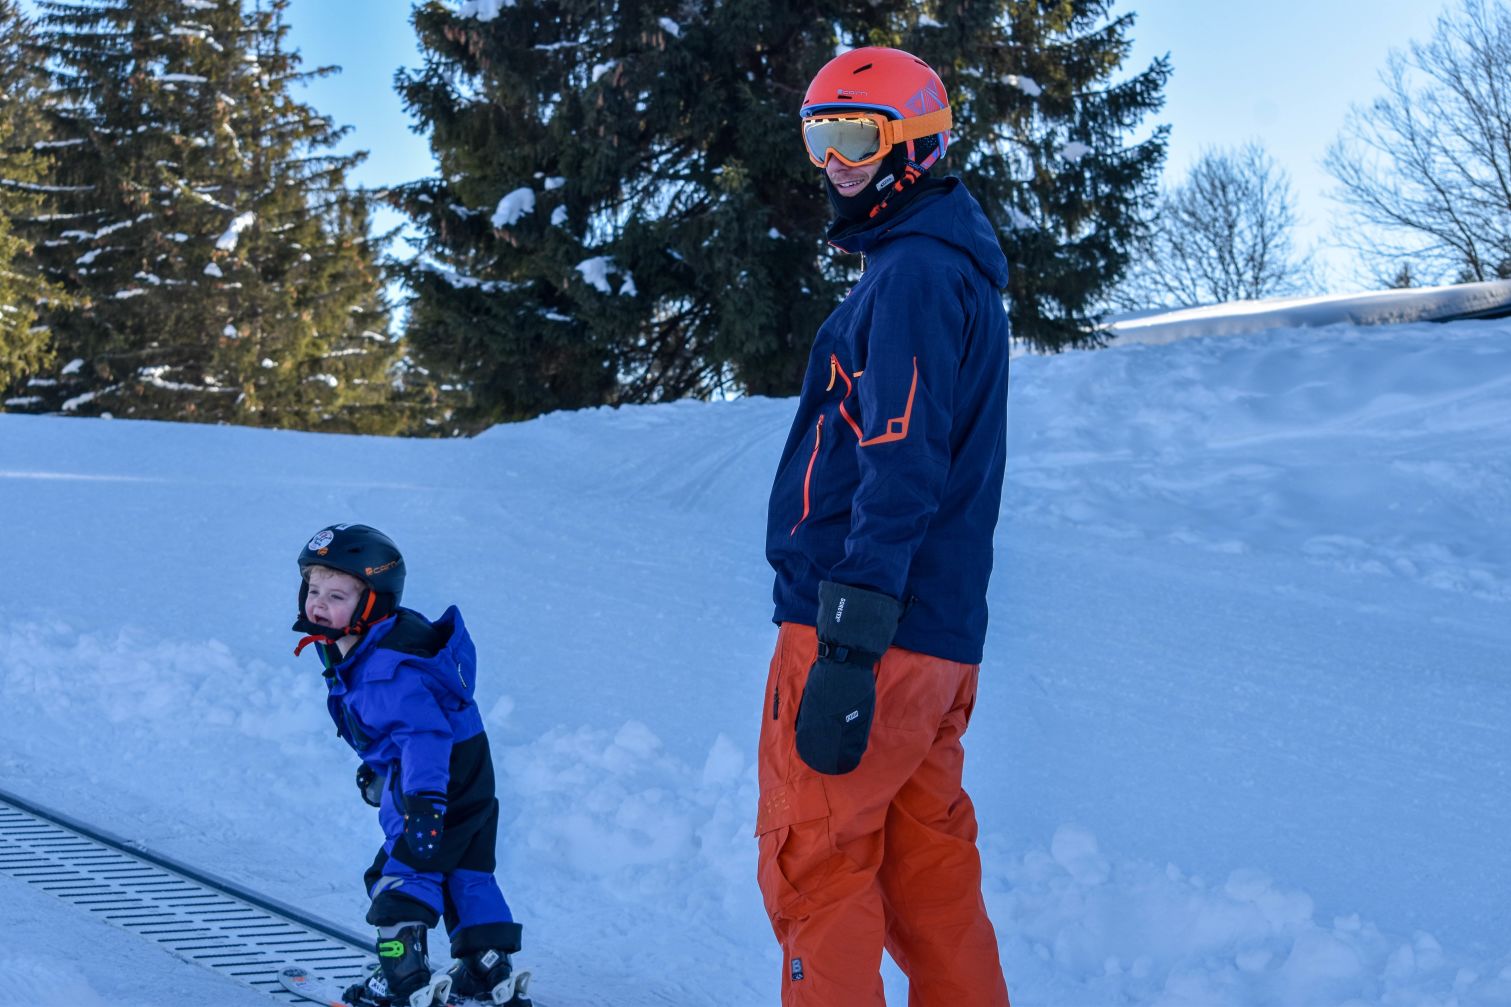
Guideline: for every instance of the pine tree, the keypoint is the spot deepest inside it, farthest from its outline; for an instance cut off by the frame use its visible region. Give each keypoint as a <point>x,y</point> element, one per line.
<point>25,346</point>
<point>1043,143</point>
<point>624,212</point>
<point>221,268</point>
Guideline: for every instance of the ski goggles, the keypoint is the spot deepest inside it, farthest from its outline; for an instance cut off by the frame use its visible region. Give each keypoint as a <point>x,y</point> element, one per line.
<point>861,138</point>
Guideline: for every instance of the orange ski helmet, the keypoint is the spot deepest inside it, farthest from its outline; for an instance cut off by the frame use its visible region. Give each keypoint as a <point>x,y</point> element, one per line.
<point>866,100</point>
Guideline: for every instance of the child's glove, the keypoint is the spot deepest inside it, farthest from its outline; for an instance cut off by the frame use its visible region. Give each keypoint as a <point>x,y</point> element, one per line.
<point>855,628</point>
<point>370,783</point>
<point>424,822</point>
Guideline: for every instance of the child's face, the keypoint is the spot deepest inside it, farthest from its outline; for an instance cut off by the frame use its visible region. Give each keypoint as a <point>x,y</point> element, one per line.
<point>332,598</point>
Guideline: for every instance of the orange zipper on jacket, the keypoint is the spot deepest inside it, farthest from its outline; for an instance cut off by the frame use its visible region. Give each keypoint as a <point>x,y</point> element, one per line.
<point>836,368</point>
<point>818,439</point>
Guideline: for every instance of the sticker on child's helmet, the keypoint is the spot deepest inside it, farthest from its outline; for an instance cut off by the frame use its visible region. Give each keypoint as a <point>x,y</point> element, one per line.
<point>321,540</point>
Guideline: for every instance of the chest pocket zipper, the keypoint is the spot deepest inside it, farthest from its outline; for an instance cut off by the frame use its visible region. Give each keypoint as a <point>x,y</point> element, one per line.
<point>818,440</point>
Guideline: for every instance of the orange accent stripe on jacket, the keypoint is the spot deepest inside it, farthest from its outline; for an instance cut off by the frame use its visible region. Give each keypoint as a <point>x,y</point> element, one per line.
<point>897,428</point>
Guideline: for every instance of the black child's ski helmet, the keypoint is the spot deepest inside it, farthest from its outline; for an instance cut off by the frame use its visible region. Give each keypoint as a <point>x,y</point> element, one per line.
<point>366,554</point>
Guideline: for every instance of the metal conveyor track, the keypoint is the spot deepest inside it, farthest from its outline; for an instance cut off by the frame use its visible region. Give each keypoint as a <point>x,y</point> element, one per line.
<point>194,915</point>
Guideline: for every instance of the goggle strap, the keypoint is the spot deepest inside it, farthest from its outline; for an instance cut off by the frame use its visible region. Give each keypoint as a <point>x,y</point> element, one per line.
<point>900,130</point>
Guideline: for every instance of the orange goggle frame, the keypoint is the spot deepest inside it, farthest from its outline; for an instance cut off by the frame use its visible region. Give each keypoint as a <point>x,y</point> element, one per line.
<point>861,138</point>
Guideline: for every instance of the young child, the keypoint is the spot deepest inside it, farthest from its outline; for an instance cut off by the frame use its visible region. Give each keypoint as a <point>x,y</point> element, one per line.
<point>401,695</point>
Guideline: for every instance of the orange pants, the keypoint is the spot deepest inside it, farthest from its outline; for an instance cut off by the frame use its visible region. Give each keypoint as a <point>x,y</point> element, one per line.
<point>881,857</point>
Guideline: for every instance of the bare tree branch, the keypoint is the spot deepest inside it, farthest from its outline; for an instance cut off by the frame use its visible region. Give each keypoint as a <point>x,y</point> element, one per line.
<point>1224,234</point>
<point>1425,170</point>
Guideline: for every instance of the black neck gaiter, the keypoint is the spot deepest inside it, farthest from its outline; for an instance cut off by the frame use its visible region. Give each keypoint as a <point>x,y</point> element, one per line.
<point>859,207</point>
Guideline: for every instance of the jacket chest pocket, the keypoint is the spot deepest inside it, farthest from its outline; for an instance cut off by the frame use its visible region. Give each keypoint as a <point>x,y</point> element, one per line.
<point>842,384</point>
<point>357,734</point>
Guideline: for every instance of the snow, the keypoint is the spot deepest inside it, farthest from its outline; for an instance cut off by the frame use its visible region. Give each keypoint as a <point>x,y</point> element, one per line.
<point>1243,736</point>
<point>102,232</point>
<point>211,269</point>
<point>559,216</point>
<point>463,282</point>
<point>74,366</point>
<point>232,234</point>
<point>514,206</point>
<point>596,272</point>
<point>1020,221</point>
<point>1386,307</point>
<point>483,10</point>
<point>670,27</point>
<point>1027,85</point>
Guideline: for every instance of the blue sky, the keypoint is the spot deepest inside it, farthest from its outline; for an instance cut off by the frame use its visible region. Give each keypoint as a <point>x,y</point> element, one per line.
<point>1282,72</point>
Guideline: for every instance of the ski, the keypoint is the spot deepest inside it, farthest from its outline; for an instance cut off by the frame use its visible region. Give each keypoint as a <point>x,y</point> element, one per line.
<point>325,990</point>
<point>514,992</point>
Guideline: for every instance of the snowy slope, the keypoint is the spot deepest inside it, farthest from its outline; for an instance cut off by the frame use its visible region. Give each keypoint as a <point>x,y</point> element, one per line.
<point>1242,736</point>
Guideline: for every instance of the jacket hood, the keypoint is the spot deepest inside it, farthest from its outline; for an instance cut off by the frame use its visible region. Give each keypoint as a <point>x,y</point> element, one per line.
<point>443,649</point>
<point>949,214</point>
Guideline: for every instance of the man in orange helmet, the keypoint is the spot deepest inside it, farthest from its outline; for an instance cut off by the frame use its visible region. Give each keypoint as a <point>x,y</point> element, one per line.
<point>880,532</point>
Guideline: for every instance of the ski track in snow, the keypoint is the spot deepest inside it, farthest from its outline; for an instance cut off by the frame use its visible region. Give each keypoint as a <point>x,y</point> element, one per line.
<point>1242,737</point>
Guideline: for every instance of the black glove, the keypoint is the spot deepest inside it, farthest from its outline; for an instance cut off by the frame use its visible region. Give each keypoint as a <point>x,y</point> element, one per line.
<point>855,628</point>
<point>424,822</point>
<point>370,783</point>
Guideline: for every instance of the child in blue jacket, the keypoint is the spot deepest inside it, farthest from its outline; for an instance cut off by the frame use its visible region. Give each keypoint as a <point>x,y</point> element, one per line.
<point>400,692</point>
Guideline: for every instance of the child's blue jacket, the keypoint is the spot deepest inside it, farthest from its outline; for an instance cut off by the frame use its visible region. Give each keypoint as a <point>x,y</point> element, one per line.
<point>891,477</point>
<point>403,697</point>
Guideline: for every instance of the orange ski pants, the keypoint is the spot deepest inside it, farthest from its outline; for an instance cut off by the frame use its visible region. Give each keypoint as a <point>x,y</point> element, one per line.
<point>884,856</point>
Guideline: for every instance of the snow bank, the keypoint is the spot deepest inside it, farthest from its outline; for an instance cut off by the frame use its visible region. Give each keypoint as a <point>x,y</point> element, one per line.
<point>1389,307</point>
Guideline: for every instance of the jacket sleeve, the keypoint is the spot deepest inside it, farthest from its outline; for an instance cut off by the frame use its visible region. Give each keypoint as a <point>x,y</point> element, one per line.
<point>914,341</point>
<point>408,713</point>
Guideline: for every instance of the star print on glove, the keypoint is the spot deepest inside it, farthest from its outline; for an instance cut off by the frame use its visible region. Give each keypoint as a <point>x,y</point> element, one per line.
<point>424,823</point>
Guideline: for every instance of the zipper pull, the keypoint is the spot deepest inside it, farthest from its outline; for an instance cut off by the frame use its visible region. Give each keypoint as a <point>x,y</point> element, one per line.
<point>833,371</point>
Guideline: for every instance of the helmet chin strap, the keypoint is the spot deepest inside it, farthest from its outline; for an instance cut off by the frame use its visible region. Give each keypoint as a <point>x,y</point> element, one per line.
<point>318,633</point>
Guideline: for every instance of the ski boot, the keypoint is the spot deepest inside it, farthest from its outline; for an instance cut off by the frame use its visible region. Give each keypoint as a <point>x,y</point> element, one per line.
<point>488,977</point>
<point>402,977</point>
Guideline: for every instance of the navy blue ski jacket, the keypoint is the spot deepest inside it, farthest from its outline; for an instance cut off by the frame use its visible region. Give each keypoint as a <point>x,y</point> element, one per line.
<point>403,698</point>
<point>891,478</point>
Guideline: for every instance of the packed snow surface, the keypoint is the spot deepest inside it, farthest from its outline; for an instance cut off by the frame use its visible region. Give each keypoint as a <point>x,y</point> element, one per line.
<point>1243,736</point>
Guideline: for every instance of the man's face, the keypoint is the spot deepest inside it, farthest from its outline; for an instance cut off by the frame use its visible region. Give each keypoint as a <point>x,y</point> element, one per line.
<point>332,598</point>
<point>848,181</point>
